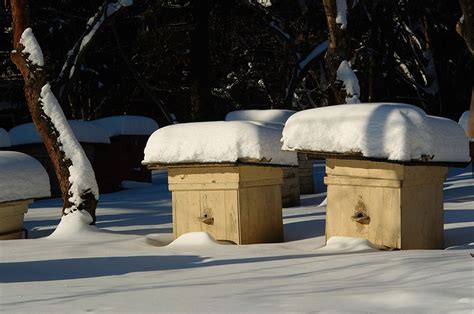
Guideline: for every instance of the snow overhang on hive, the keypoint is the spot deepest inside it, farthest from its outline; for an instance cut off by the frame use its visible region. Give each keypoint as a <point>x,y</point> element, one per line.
<point>392,131</point>
<point>128,125</point>
<point>217,142</point>
<point>21,177</point>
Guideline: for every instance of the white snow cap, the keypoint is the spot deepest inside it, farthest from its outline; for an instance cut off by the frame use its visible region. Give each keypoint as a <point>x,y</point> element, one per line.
<point>341,16</point>
<point>269,116</point>
<point>85,132</point>
<point>464,119</point>
<point>28,40</point>
<point>379,130</point>
<point>128,125</point>
<point>4,138</point>
<point>345,74</point>
<point>221,141</point>
<point>21,177</point>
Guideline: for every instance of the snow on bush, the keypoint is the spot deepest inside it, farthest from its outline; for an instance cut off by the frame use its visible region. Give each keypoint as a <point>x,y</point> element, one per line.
<point>346,75</point>
<point>85,132</point>
<point>4,138</point>
<point>128,125</point>
<point>21,177</point>
<point>268,116</point>
<point>379,130</point>
<point>221,141</point>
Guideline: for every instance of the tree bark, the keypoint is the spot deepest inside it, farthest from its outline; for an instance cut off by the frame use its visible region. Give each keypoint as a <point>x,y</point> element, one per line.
<point>338,51</point>
<point>35,79</point>
<point>466,30</point>
<point>199,75</point>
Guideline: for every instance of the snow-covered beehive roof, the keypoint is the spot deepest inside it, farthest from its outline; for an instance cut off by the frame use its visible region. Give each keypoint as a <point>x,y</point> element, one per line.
<point>85,131</point>
<point>21,177</point>
<point>391,131</point>
<point>269,116</point>
<point>4,138</point>
<point>128,125</point>
<point>217,142</point>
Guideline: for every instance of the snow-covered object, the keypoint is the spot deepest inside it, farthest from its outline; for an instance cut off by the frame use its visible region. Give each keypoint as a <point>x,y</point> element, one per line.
<point>82,177</point>
<point>4,138</point>
<point>341,16</point>
<point>221,141</point>
<point>265,3</point>
<point>347,244</point>
<point>270,115</point>
<point>379,130</point>
<point>73,225</point>
<point>21,177</point>
<point>464,119</point>
<point>128,125</point>
<point>345,74</point>
<point>85,132</point>
<point>194,239</point>
<point>31,46</point>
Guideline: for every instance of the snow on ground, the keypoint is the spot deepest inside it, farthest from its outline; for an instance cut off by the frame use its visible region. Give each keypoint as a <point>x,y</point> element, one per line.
<point>85,132</point>
<point>21,177</point>
<point>279,116</point>
<point>128,125</point>
<point>125,264</point>
<point>216,142</point>
<point>381,130</point>
<point>4,138</point>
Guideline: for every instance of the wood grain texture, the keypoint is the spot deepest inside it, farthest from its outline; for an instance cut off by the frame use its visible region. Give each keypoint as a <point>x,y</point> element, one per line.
<point>404,203</point>
<point>241,203</point>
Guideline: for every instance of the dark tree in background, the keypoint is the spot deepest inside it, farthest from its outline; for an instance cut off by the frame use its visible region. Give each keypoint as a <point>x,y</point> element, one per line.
<point>197,60</point>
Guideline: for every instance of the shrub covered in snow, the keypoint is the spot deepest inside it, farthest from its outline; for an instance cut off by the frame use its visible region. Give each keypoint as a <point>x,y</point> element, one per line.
<point>128,125</point>
<point>215,142</point>
<point>379,130</point>
<point>21,177</point>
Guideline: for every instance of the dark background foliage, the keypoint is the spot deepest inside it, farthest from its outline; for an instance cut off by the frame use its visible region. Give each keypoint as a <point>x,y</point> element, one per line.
<point>198,60</point>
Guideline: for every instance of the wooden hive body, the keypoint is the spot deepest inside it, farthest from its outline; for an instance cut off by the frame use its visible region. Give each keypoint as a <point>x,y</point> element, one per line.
<point>238,203</point>
<point>11,218</point>
<point>305,174</point>
<point>404,203</point>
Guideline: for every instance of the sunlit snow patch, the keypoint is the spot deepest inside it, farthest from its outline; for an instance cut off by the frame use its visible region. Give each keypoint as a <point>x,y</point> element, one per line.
<point>194,239</point>
<point>347,244</point>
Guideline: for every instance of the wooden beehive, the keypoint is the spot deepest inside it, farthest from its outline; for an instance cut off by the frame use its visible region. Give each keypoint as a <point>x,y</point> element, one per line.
<point>128,155</point>
<point>305,174</point>
<point>11,219</point>
<point>395,205</point>
<point>290,189</point>
<point>100,155</point>
<point>232,202</point>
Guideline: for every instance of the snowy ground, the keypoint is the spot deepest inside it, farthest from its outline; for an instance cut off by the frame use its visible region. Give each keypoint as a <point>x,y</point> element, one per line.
<point>127,266</point>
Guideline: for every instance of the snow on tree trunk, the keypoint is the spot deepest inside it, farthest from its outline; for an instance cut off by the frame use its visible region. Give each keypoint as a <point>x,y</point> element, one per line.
<point>73,169</point>
<point>338,52</point>
<point>465,28</point>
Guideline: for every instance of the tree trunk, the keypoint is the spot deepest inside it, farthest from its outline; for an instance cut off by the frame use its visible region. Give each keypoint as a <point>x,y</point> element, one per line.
<point>465,28</point>
<point>338,50</point>
<point>53,129</point>
<point>200,61</point>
